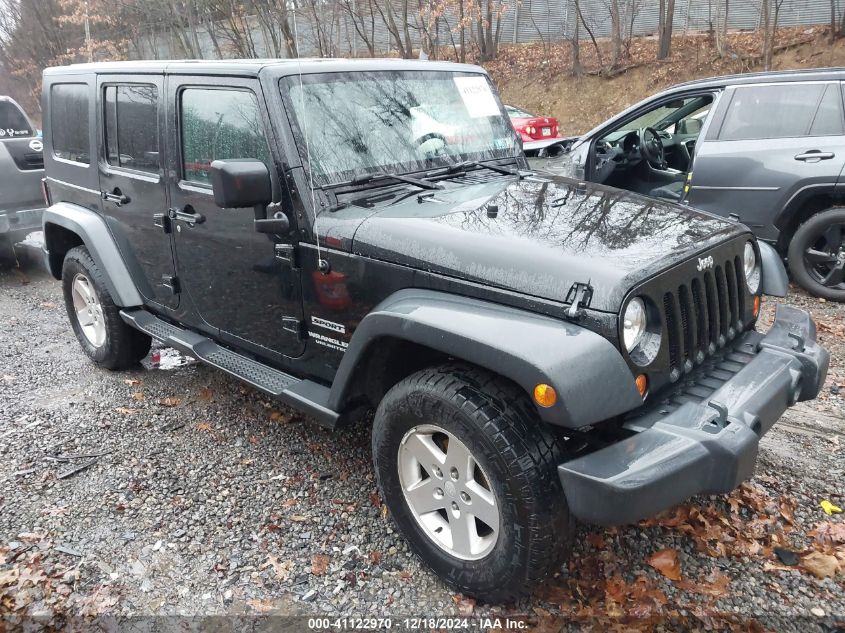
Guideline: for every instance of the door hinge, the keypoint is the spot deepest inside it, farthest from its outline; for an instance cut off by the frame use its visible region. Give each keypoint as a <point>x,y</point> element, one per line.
<point>171,282</point>
<point>579,297</point>
<point>162,221</point>
<point>294,326</point>
<point>286,253</point>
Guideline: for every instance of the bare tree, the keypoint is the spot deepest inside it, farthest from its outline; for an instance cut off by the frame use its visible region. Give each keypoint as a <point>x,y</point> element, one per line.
<point>769,12</point>
<point>664,28</point>
<point>721,28</point>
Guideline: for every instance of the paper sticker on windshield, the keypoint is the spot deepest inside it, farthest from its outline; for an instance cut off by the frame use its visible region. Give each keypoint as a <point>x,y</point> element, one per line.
<point>477,96</point>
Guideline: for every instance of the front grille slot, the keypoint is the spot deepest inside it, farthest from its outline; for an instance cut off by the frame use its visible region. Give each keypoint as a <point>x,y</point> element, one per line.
<point>702,315</point>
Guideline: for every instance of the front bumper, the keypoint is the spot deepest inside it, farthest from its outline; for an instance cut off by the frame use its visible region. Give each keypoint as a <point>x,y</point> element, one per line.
<point>703,437</point>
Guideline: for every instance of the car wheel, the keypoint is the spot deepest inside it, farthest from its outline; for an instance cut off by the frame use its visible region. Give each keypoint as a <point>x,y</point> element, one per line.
<point>817,254</point>
<point>469,474</point>
<point>103,335</point>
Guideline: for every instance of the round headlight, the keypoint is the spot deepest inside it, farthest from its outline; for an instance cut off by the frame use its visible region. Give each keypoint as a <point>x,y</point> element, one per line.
<point>750,267</point>
<point>633,323</point>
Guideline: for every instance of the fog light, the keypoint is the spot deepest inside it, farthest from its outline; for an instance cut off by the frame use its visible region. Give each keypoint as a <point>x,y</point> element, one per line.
<point>545,395</point>
<point>756,308</point>
<point>642,384</point>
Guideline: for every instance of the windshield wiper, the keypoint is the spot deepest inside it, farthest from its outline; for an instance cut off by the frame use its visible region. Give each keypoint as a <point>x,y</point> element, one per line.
<point>379,176</point>
<point>464,166</point>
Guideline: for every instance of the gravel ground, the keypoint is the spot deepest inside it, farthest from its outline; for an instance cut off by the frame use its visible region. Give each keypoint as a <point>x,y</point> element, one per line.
<point>206,498</point>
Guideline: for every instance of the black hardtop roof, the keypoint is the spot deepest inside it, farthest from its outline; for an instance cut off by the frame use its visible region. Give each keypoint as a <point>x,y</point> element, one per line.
<point>252,67</point>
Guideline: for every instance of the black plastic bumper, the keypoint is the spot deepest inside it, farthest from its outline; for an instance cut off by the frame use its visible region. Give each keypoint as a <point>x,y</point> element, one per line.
<point>703,437</point>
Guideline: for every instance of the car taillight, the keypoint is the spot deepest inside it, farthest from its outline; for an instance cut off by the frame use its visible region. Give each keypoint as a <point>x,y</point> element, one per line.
<point>45,191</point>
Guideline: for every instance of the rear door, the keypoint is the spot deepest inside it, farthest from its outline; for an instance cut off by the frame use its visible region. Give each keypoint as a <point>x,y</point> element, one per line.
<point>766,143</point>
<point>132,179</point>
<point>240,290</point>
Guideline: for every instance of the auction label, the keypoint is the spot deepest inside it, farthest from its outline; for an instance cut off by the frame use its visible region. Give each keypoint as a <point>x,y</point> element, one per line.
<point>418,624</point>
<point>477,96</point>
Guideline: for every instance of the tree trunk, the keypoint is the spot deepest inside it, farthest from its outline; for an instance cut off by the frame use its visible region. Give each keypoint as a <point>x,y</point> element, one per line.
<point>576,42</point>
<point>667,16</point>
<point>615,34</point>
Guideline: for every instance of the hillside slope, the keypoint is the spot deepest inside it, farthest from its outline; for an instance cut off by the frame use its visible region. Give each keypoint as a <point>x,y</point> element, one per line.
<point>541,80</point>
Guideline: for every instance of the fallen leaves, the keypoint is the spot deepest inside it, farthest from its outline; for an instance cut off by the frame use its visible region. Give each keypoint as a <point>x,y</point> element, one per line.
<point>281,568</point>
<point>206,395</point>
<point>319,564</point>
<point>820,565</point>
<point>132,382</point>
<point>828,532</point>
<point>465,604</point>
<point>666,561</point>
<point>125,410</point>
<point>170,402</point>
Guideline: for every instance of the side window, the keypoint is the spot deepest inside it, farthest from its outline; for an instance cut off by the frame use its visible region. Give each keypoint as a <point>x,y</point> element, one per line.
<point>13,123</point>
<point>219,124</point>
<point>131,134</point>
<point>773,111</point>
<point>828,120</point>
<point>69,125</point>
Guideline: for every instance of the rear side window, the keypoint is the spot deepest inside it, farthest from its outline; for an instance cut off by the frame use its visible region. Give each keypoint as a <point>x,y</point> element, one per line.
<point>69,125</point>
<point>828,120</point>
<point>131,135</point>
<point>219,124</point>
<point>13,123</point>
<point>779,111</point>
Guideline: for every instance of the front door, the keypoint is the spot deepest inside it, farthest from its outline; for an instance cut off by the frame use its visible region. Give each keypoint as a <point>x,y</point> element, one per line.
<point>767,143</point>
<point>239,289</point>
<point>132,183</point>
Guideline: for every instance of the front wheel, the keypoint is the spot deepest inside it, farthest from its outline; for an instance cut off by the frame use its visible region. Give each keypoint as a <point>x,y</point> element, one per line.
<point>95,319</point>
<point>817,254</point>
<point>470,476</point>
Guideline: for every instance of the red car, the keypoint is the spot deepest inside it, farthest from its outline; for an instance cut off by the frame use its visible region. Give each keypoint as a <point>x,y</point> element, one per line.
<point>537,132</point>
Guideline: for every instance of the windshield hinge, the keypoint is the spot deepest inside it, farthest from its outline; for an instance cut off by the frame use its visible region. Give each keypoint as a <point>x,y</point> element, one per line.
<point>286,253</point>
<point>578,298</point>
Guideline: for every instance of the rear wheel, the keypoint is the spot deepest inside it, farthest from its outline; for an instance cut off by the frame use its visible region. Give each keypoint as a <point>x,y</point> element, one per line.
<point>95,319</point>
<point>817,254</point>
<point>470,476</point>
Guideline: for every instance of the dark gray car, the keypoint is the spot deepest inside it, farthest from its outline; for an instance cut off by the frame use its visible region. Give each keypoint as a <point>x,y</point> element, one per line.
<point>768,148</point>
<point>21,171</point>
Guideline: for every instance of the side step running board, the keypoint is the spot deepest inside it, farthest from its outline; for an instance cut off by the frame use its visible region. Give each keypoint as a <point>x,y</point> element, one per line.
<point>307,396</point>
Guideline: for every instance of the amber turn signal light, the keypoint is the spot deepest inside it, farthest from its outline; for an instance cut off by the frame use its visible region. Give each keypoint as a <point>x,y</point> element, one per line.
<point>545,395</point>
<point>642,384</point>
<point>756,308</point>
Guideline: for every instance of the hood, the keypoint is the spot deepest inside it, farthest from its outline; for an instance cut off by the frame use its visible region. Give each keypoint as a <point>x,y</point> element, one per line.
<point>538,236</point>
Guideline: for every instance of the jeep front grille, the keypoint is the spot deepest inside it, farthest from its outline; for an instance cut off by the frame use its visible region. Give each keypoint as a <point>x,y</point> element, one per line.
<point>702,315</point>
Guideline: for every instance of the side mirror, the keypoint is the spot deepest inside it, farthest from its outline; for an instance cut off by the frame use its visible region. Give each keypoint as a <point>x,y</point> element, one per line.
<point>240,182</point>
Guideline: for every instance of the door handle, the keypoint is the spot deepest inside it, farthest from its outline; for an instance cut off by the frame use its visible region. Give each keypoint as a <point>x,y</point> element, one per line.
<point>116,197</point>
<point>187,215</point>
<point>814,156</point>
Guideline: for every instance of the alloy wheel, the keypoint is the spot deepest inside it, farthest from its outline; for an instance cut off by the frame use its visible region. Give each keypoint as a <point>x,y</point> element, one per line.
<point>448,492</point>
<point>89,311</point>
<point>825,258</point>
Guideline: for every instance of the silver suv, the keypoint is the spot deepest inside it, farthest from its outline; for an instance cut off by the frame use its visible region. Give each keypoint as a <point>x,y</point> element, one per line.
<point>21,171</point>
<point>767,148</point>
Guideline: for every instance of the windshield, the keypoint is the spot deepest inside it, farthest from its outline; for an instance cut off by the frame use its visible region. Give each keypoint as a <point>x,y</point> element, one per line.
<point>359,123</point>
<point>13,123</point>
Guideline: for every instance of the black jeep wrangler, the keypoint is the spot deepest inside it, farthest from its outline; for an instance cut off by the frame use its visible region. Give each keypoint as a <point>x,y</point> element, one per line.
<point>346,235</point>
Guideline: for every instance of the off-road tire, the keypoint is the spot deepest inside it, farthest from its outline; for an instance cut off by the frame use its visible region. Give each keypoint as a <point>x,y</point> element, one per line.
<point>124,346</point>
<point>805,237</point>
<point>500,427</point>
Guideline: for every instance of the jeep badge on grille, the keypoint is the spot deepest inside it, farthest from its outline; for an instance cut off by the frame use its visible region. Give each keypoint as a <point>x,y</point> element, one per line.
<point>705,262</point>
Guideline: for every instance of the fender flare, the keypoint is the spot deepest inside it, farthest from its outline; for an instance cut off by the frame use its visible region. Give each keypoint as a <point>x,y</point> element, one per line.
<point>775,281</point>
<point>92,230</point>
<point>589,374</point>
